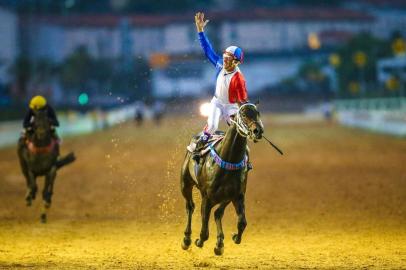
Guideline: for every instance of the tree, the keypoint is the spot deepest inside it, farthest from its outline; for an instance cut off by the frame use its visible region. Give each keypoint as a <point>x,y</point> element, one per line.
<point>313,78</point>
<point>349,71</point>
<point>77,68</point>
<point>135,81</point>
<point>21,71</point>
<point>43,70</point>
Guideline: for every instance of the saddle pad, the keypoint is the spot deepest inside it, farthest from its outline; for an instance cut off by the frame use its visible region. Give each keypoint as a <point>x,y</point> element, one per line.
<point>41,150</point>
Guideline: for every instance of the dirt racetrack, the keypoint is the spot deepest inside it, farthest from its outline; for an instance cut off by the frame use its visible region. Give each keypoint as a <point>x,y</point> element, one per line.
<point>336,200</point>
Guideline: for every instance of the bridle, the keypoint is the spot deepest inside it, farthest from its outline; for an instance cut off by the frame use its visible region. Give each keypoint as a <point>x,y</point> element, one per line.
<point>242,127</point>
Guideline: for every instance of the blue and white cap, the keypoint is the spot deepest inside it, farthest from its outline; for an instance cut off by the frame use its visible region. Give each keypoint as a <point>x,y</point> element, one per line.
<point>237,52</point>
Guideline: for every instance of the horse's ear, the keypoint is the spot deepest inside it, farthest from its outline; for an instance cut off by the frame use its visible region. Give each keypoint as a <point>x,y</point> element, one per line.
<point>256,102</point>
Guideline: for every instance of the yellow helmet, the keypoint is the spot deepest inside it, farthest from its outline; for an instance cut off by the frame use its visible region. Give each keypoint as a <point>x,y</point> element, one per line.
<point>38,102</point>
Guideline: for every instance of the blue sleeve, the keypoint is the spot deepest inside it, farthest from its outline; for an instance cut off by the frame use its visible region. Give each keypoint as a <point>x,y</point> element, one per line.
<point>208,49</point>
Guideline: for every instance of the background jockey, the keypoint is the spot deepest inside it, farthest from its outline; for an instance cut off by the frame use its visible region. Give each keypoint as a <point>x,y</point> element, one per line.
<point>39,103</point>
<point>230,84</point>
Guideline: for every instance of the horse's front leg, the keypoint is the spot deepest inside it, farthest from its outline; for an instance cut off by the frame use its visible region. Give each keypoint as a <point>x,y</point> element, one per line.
<point>47,192</point>
<point>31,187</point>
<point>239,205</point>
<point>187,187</point>
<point>204,233</point>
<point>218,215</point>
<point>28,175</point>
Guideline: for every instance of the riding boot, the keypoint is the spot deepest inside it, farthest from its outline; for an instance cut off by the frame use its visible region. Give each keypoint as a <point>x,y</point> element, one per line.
<point>199,146</point>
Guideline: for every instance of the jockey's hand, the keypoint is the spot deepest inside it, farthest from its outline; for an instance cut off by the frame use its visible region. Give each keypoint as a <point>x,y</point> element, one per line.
<point>200,22</point>
<point>26,131</point>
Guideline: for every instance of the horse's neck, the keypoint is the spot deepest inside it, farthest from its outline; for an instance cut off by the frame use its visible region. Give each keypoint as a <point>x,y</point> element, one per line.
<point>233,146</point>
<point>43,142</point>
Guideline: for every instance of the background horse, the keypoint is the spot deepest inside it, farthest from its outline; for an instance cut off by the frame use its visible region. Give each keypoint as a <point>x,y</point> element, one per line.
<point>222,178</point>
<point>38,154</point>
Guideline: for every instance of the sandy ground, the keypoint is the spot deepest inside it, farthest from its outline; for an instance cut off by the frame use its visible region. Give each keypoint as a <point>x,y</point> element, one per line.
<point>335,200</point>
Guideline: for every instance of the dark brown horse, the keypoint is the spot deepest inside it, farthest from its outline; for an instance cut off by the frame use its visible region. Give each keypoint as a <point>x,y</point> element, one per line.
<point>38,154</point>
<point>222,177</point>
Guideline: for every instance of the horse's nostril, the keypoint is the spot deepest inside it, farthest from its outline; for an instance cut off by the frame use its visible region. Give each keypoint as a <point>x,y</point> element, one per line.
<point>256,131</point>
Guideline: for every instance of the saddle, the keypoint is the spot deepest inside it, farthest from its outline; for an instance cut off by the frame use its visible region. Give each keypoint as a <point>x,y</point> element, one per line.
<point>213,141</point>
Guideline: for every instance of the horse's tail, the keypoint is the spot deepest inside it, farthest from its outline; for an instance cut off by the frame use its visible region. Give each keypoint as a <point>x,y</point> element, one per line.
<point>69,158</point>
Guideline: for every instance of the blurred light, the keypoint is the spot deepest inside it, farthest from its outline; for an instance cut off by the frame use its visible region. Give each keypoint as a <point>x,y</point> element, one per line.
<point>69,3</point>
<point>360,59</point>
<point>392,83</point>
<point>334,60</point>
<point>399,47</point>
<point>159,60</point>
<point>118,4</point>
<point>354,87</point>
<point>313,41</point>
<point>205,109</point>
<point>83,99</point>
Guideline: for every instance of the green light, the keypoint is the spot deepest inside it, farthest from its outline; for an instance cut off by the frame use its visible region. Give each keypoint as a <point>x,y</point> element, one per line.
<point>83,99</point>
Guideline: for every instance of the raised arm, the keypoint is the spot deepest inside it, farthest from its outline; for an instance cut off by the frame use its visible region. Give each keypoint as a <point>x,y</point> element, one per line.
<point>204,42</point>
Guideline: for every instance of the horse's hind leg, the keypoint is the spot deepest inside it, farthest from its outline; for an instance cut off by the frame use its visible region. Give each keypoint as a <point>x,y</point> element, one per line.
<point>218,215</point>
<point>47,192</point>
<point>204,233</point>
<point>239,206</point>
<point>187,187</point>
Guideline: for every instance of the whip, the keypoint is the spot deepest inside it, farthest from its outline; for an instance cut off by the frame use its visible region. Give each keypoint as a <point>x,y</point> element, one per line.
<point>274,146</point>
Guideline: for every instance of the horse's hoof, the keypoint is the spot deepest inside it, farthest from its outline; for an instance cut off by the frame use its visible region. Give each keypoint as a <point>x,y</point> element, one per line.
<point>43,218</point>
<point>218,250</point>
<point>28,198</point>
<point>199,243</point>
<point>47,204</point>
<point>236,239</point>
<point>186,243</point>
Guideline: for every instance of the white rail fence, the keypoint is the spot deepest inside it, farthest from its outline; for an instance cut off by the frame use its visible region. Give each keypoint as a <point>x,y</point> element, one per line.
<point>72,123</point>
<point>383,115</point>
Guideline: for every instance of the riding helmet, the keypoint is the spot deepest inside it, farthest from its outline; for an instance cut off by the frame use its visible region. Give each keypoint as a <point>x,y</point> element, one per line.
<point>38,102</point>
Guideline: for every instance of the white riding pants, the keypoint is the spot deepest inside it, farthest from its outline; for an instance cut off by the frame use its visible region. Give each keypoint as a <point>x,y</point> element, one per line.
<point>219,110</point>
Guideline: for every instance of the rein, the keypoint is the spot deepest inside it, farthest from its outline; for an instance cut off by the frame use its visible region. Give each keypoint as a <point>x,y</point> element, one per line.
<point>244,131</point>
<point>242,127</point>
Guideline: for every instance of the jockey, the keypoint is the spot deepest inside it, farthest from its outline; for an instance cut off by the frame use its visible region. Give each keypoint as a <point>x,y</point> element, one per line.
<point>230,84</point>
<point>39,103</point>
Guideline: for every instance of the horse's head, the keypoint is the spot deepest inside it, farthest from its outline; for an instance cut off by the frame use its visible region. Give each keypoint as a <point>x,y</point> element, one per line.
<point>41,125</point>
<point>249,123</point>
